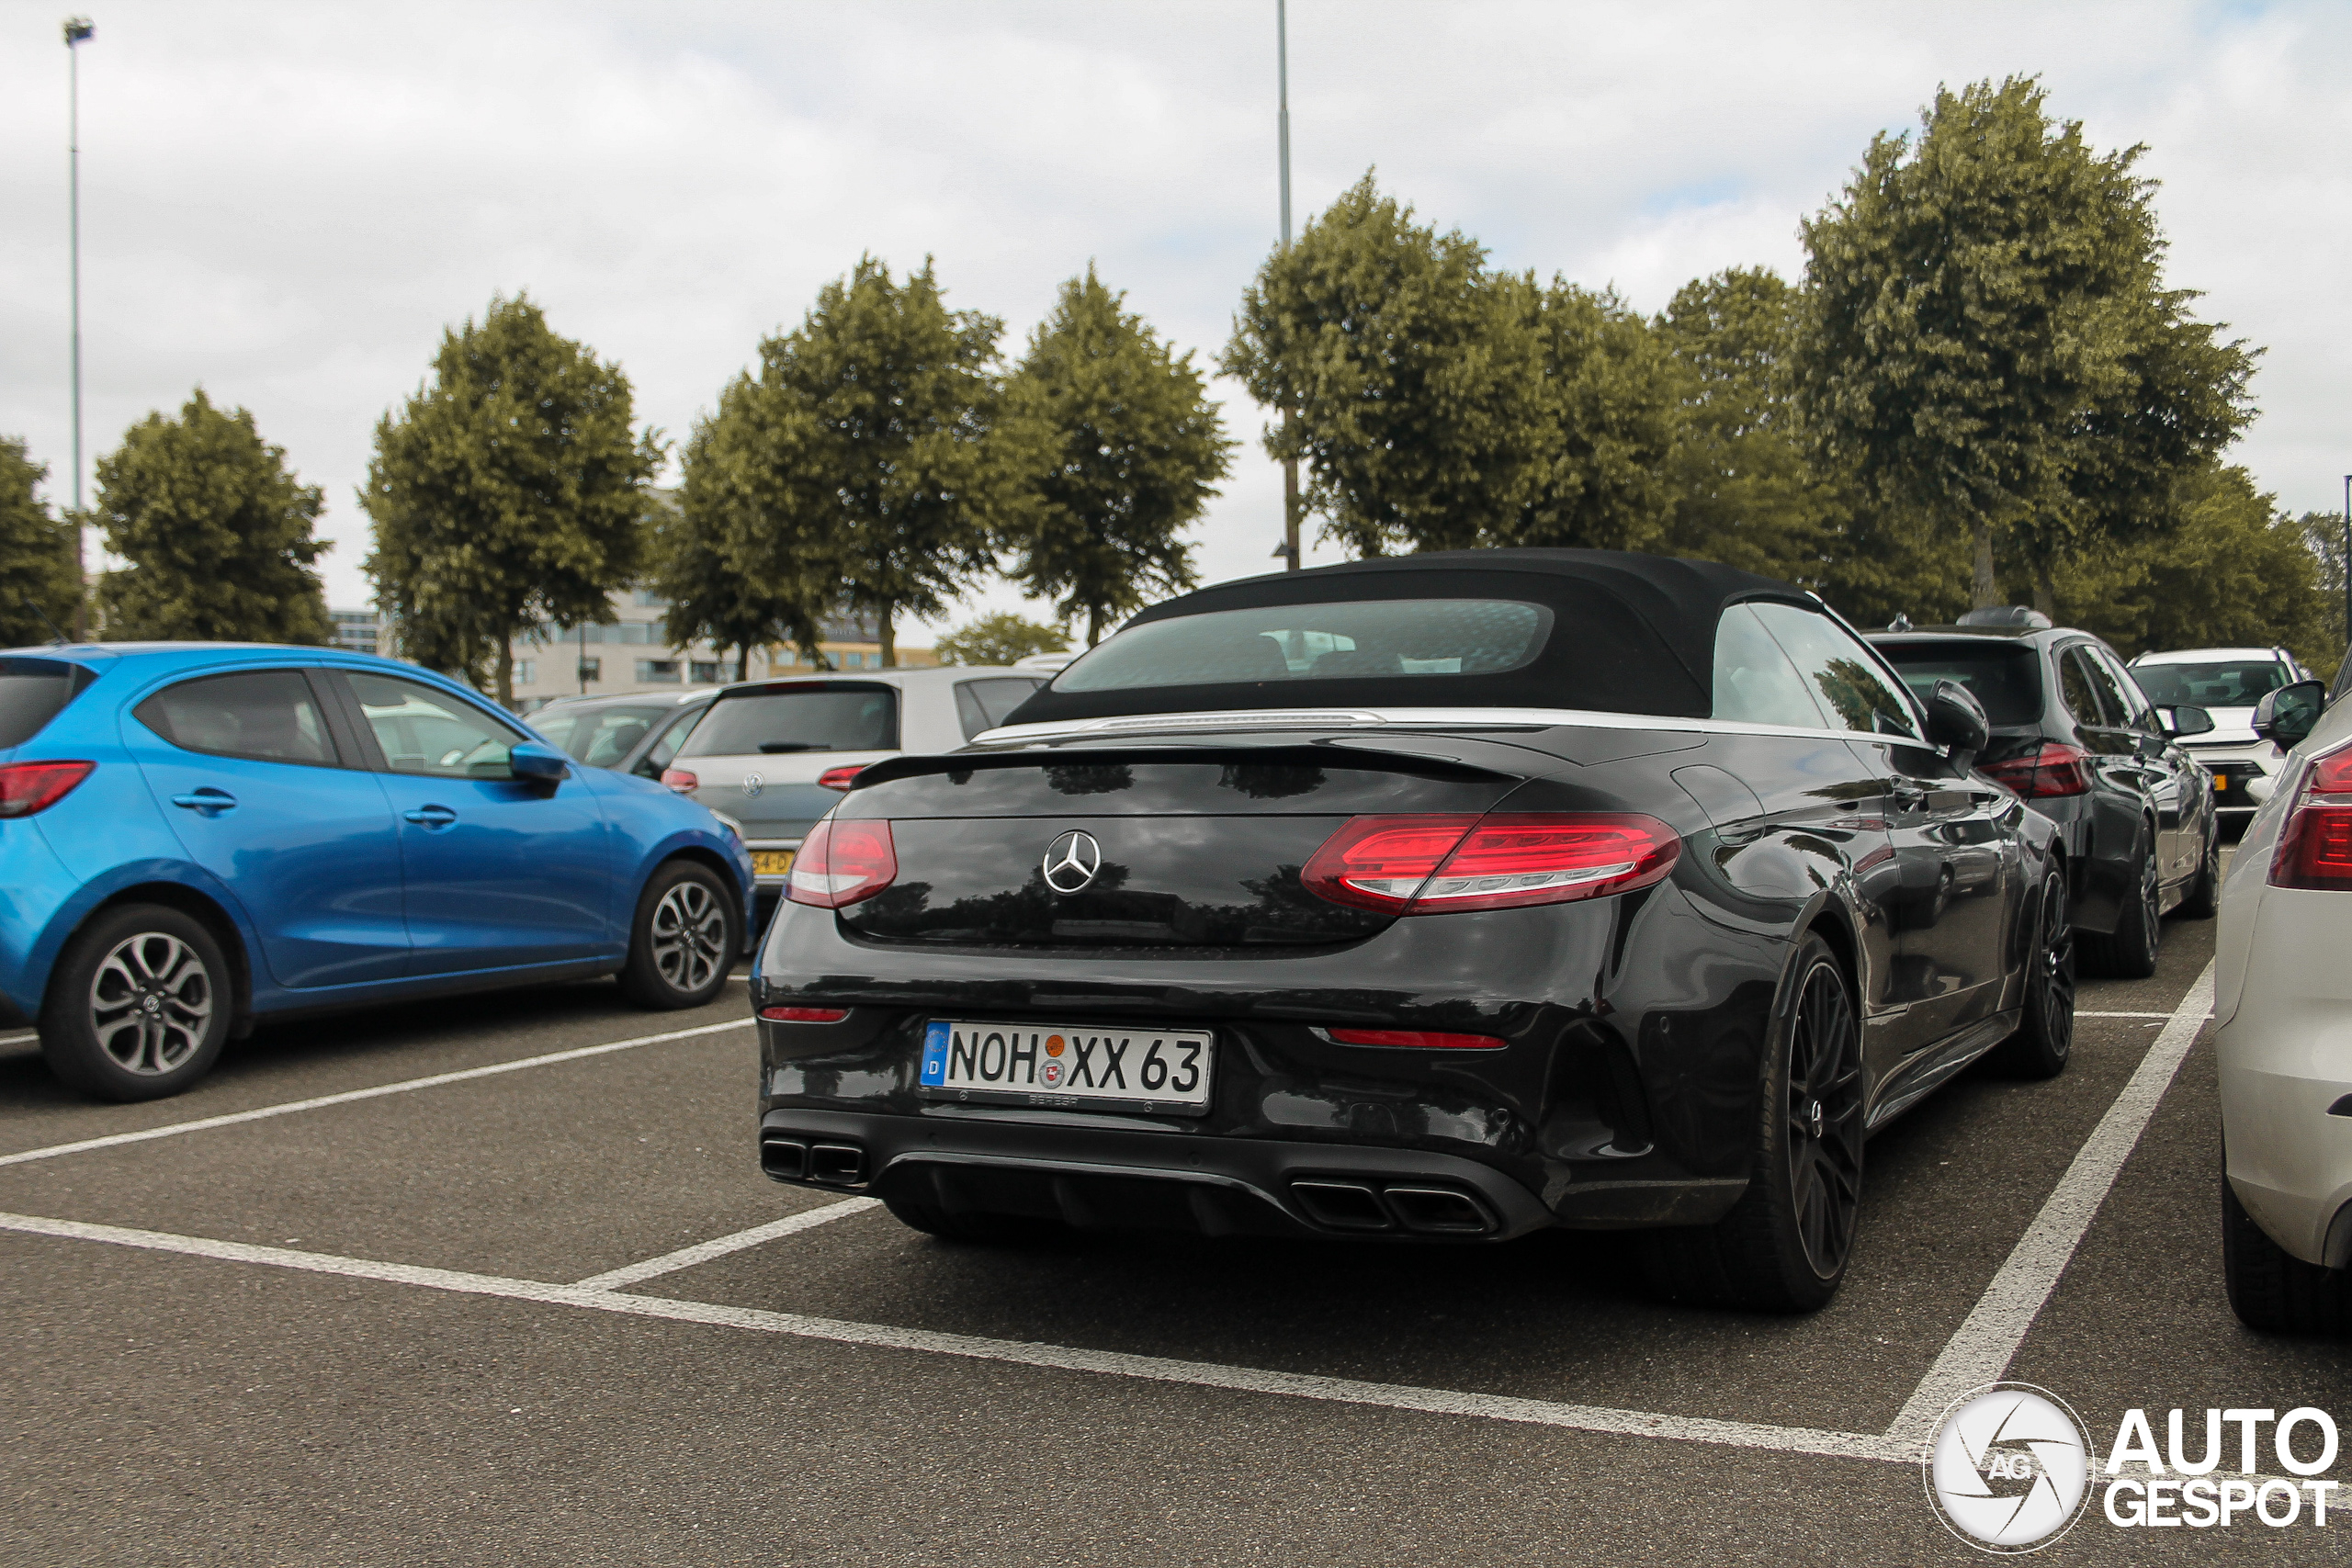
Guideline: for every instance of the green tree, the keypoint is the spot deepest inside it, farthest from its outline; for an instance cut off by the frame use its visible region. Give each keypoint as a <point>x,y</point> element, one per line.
<point>37,588</point>
<point>1987,344</point>
<point>216,531</point>
<point>2236,572</point>
<point>999,636</point>
<point>861,459</point>
<point>1612,397</point>
<point>1109,449</point>
<point>1417,377</point>
<point>507,492</point>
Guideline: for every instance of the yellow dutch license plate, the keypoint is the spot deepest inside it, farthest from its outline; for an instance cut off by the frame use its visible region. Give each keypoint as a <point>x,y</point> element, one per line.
<point>770,862</point>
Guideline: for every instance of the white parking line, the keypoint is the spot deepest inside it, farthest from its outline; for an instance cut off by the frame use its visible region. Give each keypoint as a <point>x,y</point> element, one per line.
<point>2080,1013</point>
<point>113,1140</point>
<point>1981,1351</point>
<point>702,1252</point>
<point>1060,1358</point>
<point>17,1039</point>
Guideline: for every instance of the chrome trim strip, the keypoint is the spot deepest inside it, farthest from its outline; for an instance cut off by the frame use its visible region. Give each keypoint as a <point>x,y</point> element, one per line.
<point>1409,718</point>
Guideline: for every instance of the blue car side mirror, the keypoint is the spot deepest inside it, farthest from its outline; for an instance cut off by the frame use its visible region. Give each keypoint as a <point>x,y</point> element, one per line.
<point>540,764</point>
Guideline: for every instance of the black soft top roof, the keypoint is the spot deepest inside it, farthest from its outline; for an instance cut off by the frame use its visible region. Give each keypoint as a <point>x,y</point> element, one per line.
<point>1631,633</point>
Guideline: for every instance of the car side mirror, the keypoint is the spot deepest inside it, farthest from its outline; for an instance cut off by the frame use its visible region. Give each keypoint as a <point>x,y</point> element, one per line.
<point>537,762</point>
<point>2185,720</point>
<point>1956,719</point>
<point>2286,717</point>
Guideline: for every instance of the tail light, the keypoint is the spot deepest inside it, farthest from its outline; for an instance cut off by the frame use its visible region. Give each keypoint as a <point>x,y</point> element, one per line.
<point>804,1015</point>
<point>2056,769</point>
<point>1434,864</point>
<point>680,780</point>
<point>1419,1039</point>
<point>2315,846</point>
<point>842,862</point>
<point>839,778</point>
<point>27,787</point>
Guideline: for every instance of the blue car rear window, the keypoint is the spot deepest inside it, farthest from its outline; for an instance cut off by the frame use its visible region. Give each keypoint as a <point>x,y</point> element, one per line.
<point>33,692</point>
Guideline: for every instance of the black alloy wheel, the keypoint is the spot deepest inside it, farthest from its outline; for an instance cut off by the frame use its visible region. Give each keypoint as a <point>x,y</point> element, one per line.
<point>2203,899</point>
<point>2131,953</point>
<point>2045,1035</point>
<point>685,939</point>
<point>1785,1244</point>
<point>138,1005</point>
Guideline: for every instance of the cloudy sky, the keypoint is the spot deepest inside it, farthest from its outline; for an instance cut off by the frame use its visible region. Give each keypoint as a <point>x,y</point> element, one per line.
<point>288,203</point>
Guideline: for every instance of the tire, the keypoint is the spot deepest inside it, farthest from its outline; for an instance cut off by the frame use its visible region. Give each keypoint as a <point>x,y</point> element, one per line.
<point>2270,1289</point>
<point>1003,1229</point>
<point>138,1005</point>
<point>2045,1037</point>
<point>2131,953</point>
<point>1785,1244</point>
<point>684,938</point>
<point>2203,899</point>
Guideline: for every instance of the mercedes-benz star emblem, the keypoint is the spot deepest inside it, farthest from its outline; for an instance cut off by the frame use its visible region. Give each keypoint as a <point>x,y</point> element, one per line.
<point>1072,862</point>
<point>753,784</point>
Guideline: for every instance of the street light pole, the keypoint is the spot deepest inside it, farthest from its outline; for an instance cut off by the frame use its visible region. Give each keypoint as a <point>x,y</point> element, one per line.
<point>1282,123</point>
<point>78,31</point>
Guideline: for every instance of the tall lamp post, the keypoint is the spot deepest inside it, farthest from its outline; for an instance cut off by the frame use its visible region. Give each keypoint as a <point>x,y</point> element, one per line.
<point>78,31</point>
<point>1289,550</point>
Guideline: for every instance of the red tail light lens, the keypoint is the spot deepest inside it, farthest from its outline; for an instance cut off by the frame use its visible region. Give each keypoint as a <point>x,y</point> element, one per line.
<point>680,780</point>
<point>2056,769</point>
<point>27,787</point>
<point>804,1015</point>
<point>1419,1039</point>
<point>842,862</point>
<point>839,778</point>
<point>2315,846</point>
<point>1434,864</point>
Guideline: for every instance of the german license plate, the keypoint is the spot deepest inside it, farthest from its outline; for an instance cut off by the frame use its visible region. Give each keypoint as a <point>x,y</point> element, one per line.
<point>1165,1070</point>
<point>770,862</point>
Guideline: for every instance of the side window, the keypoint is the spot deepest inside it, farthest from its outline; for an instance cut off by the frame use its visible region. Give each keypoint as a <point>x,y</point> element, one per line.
<point>269,715</point>
<point>1853,692</point>
<point>2091,694</point>
<point>665,746</point>
<point>1755,682</point>
<point>424,730</point>
<point>2137,713</point>
<point>983,704</point>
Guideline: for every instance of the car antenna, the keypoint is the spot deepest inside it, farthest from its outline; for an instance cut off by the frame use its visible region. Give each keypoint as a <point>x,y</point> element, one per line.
<point>57,639</point>
<point>1902,623</point>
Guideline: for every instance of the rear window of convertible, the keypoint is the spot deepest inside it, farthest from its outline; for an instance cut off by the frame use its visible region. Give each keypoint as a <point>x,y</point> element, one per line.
<point>1379,639</point>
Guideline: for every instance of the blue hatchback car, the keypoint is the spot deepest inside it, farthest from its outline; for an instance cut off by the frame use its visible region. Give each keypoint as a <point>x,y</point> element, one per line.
<point>195,836</point>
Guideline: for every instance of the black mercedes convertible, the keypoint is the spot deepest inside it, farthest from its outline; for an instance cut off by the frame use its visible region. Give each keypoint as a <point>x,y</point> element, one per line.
<point>1437,897</point>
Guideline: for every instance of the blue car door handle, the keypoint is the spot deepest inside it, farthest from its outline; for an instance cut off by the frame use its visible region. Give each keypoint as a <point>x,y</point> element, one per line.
<point>208,800</point>
<point>431,816</point>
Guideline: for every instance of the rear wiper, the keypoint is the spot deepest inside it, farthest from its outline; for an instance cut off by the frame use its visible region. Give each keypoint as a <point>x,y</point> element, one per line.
<point>771,747</point>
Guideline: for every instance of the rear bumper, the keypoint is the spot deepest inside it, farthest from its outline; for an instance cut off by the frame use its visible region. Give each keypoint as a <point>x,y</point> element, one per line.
<point>1099,1177</point>
<point>2285,1063</point>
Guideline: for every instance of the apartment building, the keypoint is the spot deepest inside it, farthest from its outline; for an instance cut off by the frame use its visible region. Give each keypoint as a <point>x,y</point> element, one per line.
<point>629,651</point>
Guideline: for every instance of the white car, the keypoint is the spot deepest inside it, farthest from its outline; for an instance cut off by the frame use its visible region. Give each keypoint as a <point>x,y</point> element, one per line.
<point>2226,682</point>
<point>774,756</point>
<point>2283,997</point>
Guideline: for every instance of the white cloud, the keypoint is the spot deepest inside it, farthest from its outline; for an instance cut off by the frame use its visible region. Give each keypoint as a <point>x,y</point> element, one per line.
<point>288,204</point>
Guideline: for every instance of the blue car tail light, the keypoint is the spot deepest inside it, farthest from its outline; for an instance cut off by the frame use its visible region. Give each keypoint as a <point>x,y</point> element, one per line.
<point>29,787</point>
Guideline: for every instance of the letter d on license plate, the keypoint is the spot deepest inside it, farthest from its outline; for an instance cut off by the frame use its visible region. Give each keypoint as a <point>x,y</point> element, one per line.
<point>1163,1070</point>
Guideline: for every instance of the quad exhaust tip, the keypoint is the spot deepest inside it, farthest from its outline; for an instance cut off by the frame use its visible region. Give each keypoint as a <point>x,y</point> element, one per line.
<point>1424,1210</point>
<point>787,1159</point>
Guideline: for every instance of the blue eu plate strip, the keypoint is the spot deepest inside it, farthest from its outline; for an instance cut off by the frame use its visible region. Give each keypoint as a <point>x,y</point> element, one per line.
<point>935,1054</point>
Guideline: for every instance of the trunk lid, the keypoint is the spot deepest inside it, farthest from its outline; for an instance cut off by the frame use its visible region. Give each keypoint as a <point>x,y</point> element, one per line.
<point>1184,848</point>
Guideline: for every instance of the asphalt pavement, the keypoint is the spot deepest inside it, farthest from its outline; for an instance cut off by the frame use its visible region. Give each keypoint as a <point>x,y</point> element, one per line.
<point>497,1281</point>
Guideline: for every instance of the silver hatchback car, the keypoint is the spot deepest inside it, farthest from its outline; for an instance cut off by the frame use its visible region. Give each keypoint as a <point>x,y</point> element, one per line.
<point>773,756</point>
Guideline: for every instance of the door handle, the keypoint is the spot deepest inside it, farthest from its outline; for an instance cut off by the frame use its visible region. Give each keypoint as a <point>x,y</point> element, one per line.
<point>206,800</point>
<point>430,816</point>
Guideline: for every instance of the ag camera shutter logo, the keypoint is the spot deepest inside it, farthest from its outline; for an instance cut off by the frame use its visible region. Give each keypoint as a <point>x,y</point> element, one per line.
<point>2008,1469</point>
